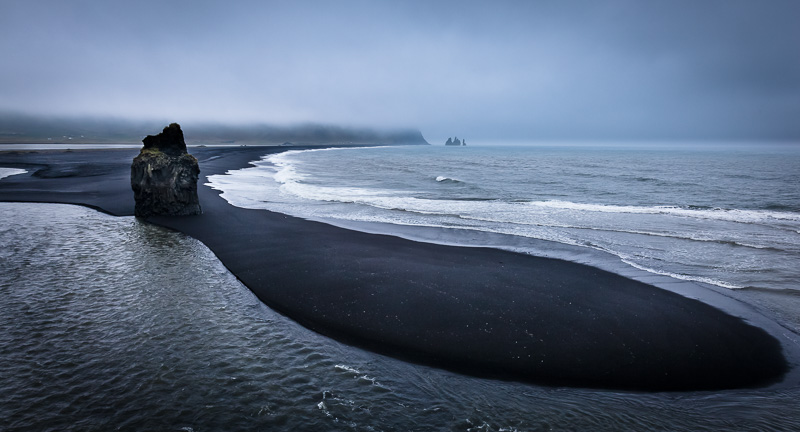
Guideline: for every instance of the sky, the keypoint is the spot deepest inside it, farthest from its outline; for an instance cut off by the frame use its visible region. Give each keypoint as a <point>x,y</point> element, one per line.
<point>482,70</point>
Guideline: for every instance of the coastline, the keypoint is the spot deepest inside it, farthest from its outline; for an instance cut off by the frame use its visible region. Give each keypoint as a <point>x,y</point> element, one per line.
<point>482,311</point>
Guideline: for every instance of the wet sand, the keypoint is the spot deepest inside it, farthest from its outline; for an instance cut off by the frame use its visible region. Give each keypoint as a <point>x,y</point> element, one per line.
<point>480,311</point>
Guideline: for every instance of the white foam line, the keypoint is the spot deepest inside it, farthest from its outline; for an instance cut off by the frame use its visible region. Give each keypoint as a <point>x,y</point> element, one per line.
<point>682,277</point>
<point>731,215</point>
<point>622,231</point>
<point>283,155</point>
<point>7,172</point>
<point>347,369</point>
<point>290,182</point>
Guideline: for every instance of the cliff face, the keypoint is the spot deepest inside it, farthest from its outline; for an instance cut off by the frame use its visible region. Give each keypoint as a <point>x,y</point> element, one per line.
<point>164,176</point>
<point>409,137</point>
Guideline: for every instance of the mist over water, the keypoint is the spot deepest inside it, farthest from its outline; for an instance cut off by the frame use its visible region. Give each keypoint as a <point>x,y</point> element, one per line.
<point>555,70</point>
<point>108,323</point>
<point>727,216</point>
<point>6,172</point>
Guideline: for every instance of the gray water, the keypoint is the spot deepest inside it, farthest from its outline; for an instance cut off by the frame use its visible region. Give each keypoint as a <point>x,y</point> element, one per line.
<point>7,172</point>
<point>107,323</point>
<point>726,215</point>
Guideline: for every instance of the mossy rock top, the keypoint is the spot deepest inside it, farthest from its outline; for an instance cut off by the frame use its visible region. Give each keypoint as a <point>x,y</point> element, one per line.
<point>169,141</point>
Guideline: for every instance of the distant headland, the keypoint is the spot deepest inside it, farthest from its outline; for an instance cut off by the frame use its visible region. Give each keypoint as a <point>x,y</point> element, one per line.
<point>18,128</point>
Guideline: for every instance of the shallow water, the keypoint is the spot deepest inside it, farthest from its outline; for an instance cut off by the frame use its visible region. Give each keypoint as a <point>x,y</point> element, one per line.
<point>109,323</point>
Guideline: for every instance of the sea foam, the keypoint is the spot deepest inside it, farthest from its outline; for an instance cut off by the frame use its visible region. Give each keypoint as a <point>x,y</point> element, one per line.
<point>717,240</point>
<point>7,172</point>
<point>732,215</point>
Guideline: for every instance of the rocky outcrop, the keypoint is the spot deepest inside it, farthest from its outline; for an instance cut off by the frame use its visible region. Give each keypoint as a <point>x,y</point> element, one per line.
<point>164,176</point>
<point>455,142</point>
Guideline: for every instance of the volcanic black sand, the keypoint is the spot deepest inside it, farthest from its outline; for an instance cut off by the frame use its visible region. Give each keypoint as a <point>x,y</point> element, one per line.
<point>481,311</point>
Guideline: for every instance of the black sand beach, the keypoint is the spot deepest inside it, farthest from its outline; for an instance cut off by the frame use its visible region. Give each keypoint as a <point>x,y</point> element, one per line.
<point>482,311</point>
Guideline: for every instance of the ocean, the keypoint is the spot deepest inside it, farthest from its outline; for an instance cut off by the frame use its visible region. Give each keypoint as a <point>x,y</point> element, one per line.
<point>110,323</point>
<point>724,216</point>
<point>6,172</point>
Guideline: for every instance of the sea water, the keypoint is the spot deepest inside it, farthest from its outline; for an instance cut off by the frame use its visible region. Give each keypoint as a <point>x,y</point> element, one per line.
<point>726,214</point>
<point>109,323</point>
<point>7,172</point>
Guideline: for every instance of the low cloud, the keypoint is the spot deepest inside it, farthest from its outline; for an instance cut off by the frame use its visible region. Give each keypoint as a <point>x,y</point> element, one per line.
<point>499,70</point>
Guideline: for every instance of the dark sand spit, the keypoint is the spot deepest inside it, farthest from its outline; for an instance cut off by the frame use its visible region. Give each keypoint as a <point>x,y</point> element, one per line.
<point>481,311</point>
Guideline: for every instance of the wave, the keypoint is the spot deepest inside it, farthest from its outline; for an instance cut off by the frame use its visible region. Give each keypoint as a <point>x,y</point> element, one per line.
<point>677,236</point>
<point>288,183</point>
<point>465,209</point>
<point>7,172</point>
<point>357,374</point>
<point>472,199</point>
<point>563,240</point>
<point>282,156</point>
<point>702,279</point>
<point>642,179</point>
<point>293,182</point>
<point>287,173</point>
<point>730,215</point>
<point>345,368</point>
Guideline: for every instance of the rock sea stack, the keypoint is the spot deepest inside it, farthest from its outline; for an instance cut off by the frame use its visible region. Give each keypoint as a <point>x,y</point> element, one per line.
<point>455,142</point>
<point>164,176</point>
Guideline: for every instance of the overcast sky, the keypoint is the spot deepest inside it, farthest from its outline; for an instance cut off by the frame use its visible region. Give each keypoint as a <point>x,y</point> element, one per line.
<point>617,69</point>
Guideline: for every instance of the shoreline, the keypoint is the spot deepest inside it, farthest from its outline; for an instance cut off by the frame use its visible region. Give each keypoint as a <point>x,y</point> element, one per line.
<point>477,310</point>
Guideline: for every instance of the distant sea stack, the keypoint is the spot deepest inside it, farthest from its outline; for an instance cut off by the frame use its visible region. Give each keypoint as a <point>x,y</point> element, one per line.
<point>455,142</point>
<point>164,176</point>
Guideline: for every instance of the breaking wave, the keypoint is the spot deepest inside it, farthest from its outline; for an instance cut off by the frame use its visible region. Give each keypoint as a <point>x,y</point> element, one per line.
<point>743,243</point>
<point>731,215</point>
<point>7,172</point>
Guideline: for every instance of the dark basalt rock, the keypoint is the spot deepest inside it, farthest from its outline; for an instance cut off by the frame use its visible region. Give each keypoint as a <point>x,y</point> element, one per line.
<point>455,142</point>
<point>164,176</point>
<point>169,141</point>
